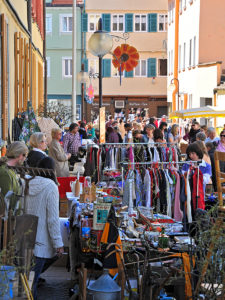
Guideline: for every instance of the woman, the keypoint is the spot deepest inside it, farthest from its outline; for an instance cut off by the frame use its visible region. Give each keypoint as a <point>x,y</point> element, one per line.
<point>174,137</point>
<point>195,153</point>
<point>90,131</point>
<point>43,202</point>
<point>150,133</point>
<point>82,131</point>
<point>15,156</point>
<point>202,145</point>
<point>112,136</point>
<point>158,137</point>
<point>221,148</point>
<point>39,144</point>
<point>58,154</point>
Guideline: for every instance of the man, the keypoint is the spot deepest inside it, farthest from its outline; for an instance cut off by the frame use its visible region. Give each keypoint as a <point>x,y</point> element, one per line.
<point>139,119</point>
<point>195,128</point>
<point>128,135</point>
<point>211,136</point>
<point>200,136</point>
<point>72,142</point>
<point>109,123</point>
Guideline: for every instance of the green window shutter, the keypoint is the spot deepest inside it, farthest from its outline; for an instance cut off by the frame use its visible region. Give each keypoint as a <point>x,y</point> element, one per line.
<point>106,68</point>
<point>152,67</point>
<point>106,22</point>
<point>129,74</point>
<point>84,24</point>
<point>85,62</point>
<point>128,22</point>
<point>152,22</point>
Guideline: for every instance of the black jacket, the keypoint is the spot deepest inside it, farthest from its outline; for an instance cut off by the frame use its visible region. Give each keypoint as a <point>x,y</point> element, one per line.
<point>83,133</point>
<point>34,157</point>
<point>192,135</point>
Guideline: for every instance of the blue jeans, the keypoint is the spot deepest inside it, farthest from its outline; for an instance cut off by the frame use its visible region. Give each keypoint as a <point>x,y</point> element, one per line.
<point>41,265</point>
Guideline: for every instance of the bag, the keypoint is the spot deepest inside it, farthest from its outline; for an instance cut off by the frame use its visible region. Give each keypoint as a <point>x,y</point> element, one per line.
<point>73,159</point>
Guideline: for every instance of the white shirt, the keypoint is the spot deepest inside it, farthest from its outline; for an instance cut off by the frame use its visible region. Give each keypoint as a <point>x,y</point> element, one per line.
<point>208,140</point>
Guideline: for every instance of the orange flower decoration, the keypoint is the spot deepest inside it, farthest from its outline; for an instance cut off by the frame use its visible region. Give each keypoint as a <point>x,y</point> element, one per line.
<point>127,57</point>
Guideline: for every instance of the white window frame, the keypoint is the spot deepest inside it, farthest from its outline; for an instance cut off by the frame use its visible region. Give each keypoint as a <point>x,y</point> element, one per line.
<point>95,23</point>
<point>184,4</point>
<point>141,23</point>
<point>190,100</point>
<point>78,109</point>
<point>190,53</point>
<point>172,62</point>
<point>48,62</point>
<point>64,58</point>
<point>181,6</point>
<point>194,51</point>
<point>117,22</point>
<point>184,57</point>
<point>168,62</point>
<point>164,24</point>
<point>95,65</point>
<point>157,67</point>
<point>50,17</point>
<point>61,16</point>
<point>179,57</point>
<point>146,68</point>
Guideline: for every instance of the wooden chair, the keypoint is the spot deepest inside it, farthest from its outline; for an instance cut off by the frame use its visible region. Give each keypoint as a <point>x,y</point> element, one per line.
<point>220,179</point>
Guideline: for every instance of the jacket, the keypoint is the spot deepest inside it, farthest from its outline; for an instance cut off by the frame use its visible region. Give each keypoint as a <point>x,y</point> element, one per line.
<point>34,157</point>
<point>43,201</point>
<point>61,160</point>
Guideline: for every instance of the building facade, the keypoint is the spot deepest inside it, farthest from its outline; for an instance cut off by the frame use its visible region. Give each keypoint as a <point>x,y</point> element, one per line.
<point>18,52</point>
<point>59,28</point>
<point>146,24</point>
<point>201,56</point>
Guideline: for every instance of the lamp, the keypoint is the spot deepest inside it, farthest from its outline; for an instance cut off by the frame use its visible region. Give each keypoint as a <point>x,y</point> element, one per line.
<point>82,77</point>
<point>172,87</point>
<point>99,44</point>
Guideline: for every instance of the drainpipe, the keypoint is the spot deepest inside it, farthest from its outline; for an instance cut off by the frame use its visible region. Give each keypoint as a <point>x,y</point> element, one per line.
<point>29,23</point>
<point>176,46</point>
<point>45,61</point>
<point>74,54</point>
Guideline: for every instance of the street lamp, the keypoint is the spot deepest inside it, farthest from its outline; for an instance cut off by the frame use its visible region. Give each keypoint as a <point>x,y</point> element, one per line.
<point>99,44</point>
<point>172,87</point>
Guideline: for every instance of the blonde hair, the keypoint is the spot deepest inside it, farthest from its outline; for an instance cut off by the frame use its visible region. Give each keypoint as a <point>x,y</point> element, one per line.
<point>90,124</point>
<point>55,131</point>
<point>15,149</point>
<point>36,139</point>
<point>202,145</point>
<point>173,129</point>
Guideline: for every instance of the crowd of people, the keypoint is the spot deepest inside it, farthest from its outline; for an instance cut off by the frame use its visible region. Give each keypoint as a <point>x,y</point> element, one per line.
<point>63,151</point>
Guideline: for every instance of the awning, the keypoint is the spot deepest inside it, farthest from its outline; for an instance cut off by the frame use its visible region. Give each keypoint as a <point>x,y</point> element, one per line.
<point>199,112</point>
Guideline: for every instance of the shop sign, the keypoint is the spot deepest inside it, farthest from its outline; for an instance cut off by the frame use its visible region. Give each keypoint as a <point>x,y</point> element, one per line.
<point>97,104</point>
<point>138,104</point>
<point>102,125</point>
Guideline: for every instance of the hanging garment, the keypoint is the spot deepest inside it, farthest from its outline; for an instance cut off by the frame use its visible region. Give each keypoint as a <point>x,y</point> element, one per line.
<point>156,155</point>
<point>162,191</point>
<point>126,188</point>
<point>178,214</point>
<point>138,189</point>
<point>147,190</point>
<point>198,190</point>
<point>188,191</point>
<point>169,183</point>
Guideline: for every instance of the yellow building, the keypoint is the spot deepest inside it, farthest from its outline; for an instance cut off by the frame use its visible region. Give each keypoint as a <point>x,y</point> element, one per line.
<point>146,23</point>
<point>21,59</point>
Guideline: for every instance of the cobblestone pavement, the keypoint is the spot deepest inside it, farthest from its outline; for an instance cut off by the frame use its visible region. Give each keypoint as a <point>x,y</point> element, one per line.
<point>56,286</point>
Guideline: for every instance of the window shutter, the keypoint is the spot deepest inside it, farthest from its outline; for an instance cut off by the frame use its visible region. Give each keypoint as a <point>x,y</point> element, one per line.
<point>128,22</point>
<point>4,59</point>
<point>152,22</point>
<point>129,74</point>
<point>106,22</point>
<point>16,36</point>
<point>152,67</point>
<point>84,24</point>
<point>106,68</point>
<point>20,72</point>
<point>85,62</point>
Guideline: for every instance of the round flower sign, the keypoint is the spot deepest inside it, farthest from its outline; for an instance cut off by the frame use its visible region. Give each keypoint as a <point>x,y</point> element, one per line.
<point>126,57</point>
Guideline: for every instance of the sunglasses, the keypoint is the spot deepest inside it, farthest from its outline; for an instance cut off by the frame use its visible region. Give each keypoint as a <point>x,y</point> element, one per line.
<point>222,135</point>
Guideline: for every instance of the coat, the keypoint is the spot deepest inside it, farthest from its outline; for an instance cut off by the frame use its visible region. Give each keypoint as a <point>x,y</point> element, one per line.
<point>61,160</point>
<point>34,157</point>
<point>43,201</point>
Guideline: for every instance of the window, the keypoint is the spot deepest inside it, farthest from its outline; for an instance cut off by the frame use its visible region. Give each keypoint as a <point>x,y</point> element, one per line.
<point>67,66</point>
<point>162,67</point>
<point>184,57</point>
<point>140,22</point>
<point>194,51</point>
<point>48,66</point>
<point>93,66</point>
<point>190,101</point>
<point>169,63</point>
<point>66,23</point>
<point>180,6</point>
<point>184,3</point>
<point>163,19</point>
<point>48,23</point>
<point>93,22</point>
<point>172,62</point>
<point>190,52</point>
<point>179,58</point>
<point>118,23</point>
<point>115,72</point>
<point>141,69</point>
